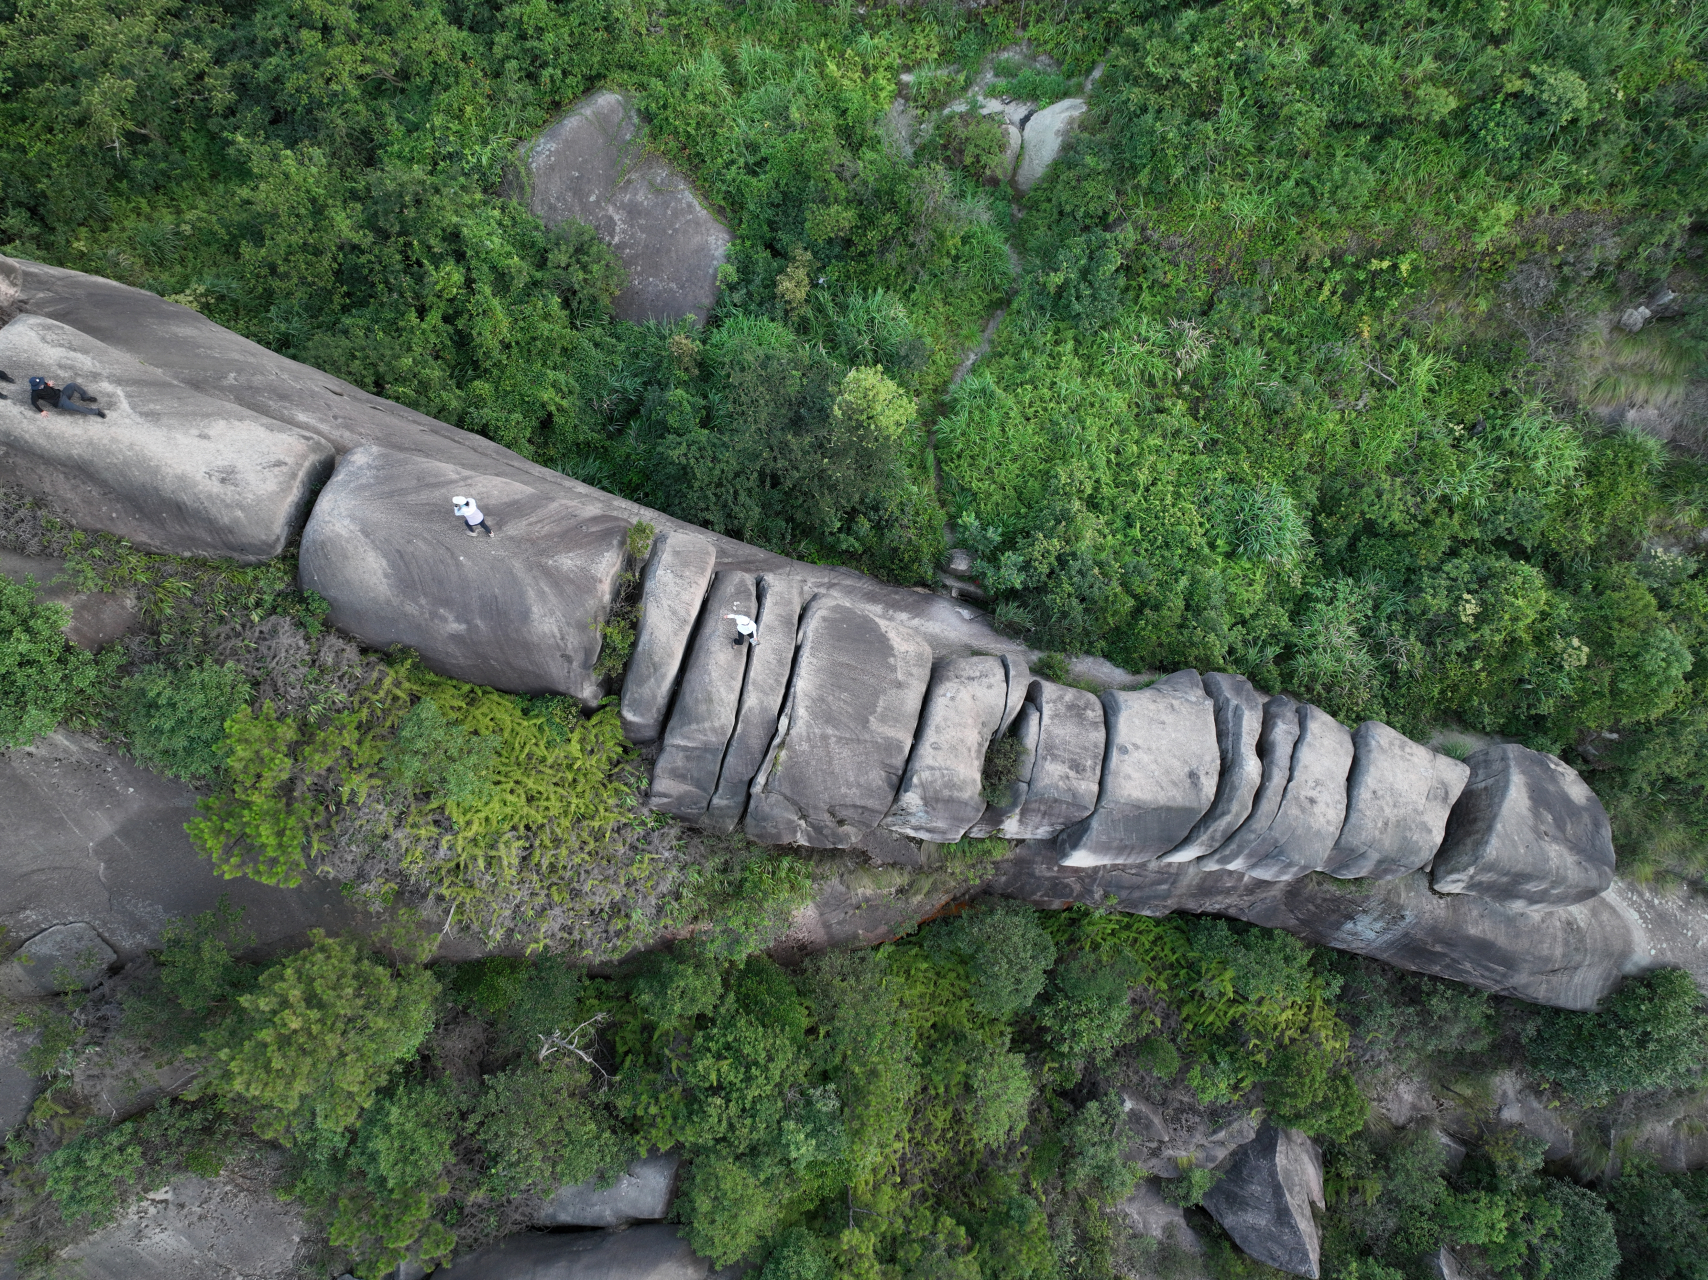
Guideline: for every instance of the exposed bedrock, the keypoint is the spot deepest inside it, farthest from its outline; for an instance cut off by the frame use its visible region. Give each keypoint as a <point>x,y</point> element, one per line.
<point>637,1253</point>
<point>592,166</point>
<point>1239,720</point>
<point>1275,743</point>
<point>1304,829</point>
<point>1046,133</point>
<point>1265,1197</point>
<point>642,1193</point>
<point>941,793</point>
<point>520,610</point>
<point>846,728</point>
<point>1527,832</point>
<point>1066,765</point>
<point>672,590</point>
<point>764,686</point>
<point>1398,797</point>
<point>168,468</point>
<point>703,718</point>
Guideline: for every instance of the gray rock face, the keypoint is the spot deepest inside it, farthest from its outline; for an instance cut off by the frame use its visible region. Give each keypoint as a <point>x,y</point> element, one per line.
<point>1275,743</point>
<point>1239,721</point>
<point>672,590</point>
<point>639,1253</point>
<point>762,693</point>
<point>997,818</point>
<point>1398,797</point>
<point>940,796</point>
<point>1160,767</point>
<point>1313,807</point>
<point>1527,832</point>
<point>167,468</point>
<point>1067,765</point>
<point>703,718</point>
<point>1045,133</point>
<point>845,731</point>
<point>1148,1214</point>
<point>591,166</point>
<point>19,1088</point>
<point>97,617</point>
<point>1265,1196</point>
<point>519,611</point>
<point>67,957</point>
<point>641,1193</point>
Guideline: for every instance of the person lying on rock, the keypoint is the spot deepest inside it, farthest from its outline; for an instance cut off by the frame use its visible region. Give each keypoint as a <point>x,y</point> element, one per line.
<point>43,391</point>
<point>471,515</point>
<point>745,630</point>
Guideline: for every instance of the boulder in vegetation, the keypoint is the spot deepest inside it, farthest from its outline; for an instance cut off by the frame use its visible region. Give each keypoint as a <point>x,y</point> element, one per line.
<point>592,167</point>
<point>642,1192</point>
<point>1042,142</point>
<point>1160,768</point>
<point>167,468</point>
<point>1398,797</point>
<point>941,793</point>
<point>762,692</point>
<point>1265,1196</point>
<point>67,957</point>
<point>672,591</point>
<point>1527,832</point>
<point>638,1253</point>
<point>1239,721</point>
<point>518,611</point>
<point>1067,764</point>
<point>845,731</point>
<point>703,717</point>
<point>1302,836</point>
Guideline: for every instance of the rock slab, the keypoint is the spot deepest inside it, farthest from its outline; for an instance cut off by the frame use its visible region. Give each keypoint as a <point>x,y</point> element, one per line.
<point>762,693</point>
<point>642,1193</point>
<point>639,1253</point>
<point>168,468</point>
<point>1239,721</point>
<point>1067,764</point>
<point>67,957</point>
<point>1398,797</point>
<point>1275,743</point>
<point>1045,134</point>
<point>997,816</point>
<point>1527,833</point>
<point>518,611</point>
<point>1313,807</point>
<point>672,591</point>
<point>701,721</point>
<point>1265,1196</point>
<point>845,731</point>
<point>592,166</point>
<point>941,792</point>
<point>1160,768</point>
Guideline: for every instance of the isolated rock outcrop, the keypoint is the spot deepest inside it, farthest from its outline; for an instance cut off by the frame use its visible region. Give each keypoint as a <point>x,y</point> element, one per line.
<point>845,731</point>
<point>167,468</point>
<point>1265,1196</point>
<point>941,795</point>
<point>763,689</point>
<point>1527,832</point>
<point>641,1193</point>
<point>701,721</point>
<point>1313,807</point>
<point>1067,765</point>
<point>1239,721</point>
<point>592,166</point>
<point>672,590</point>
<point>519,611</point>
<point>1398,797</point>
<point>1046,132</point>
<point>67,957</point>
<point>638,1253</point>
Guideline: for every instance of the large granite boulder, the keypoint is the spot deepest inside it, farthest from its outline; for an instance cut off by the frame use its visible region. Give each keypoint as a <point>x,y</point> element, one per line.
<point>66,957</point>
<point>1527,832</point>
<point>672,590</point>
<point>520,610</point>
<point>1264,1199</point>
<point>1239,721</point>
<point>1046,132</point>
<point>762,693</point>
<point>638,1253</point>
<point>845,731</point>
<point>169,469</point>
<point>941,793</point>
<point>1275,743</point>
<point>1398,797</point>
<point>642,1193</point>
<point>1160,768</point>
<point>1067,764</point>
<point>703,718</point>
<point>1301,838</point>
<point>592,166</point>
<point>998,816</point>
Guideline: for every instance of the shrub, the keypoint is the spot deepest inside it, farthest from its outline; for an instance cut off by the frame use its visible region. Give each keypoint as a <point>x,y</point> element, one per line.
<point>538,1132</point>
<point>84,1176</point>
<point>1649,1034</point>
<point>1583,1246</point>
<point>1007,954</point>
<point>43,676</point>
<point>1661,1220</point>
<point>175,717</point>
<point>438,758</point>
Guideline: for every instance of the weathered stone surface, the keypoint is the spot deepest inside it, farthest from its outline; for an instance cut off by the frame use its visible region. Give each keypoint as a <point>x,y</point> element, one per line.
<point>703,718</point>
<point>1275,743</point>
<point>19,1088</point>
<point>997,818</point>
<point>639,1253</point>
<point>845,731</point>
<point>66,957</point>
<point>940,794</point>
<point>1313,807</point>
<point>168,468</point>
<point>519,611</point>
<point>591,166</point>
<point>120,1078</point>
<point>1265,1196</point>
<point>1019,680</point>
<point>97,617</point>
<point>1527,832</point>
<point>226,1228</point>
<point>1398,797</point>
<point>672,591</point>
<point>1045,133</point>
<point>642,1193</point>
<point>762,693</point>
<point>1068,763</point>
<point>1160,766</point>
<point>1239,721</point>
<point>1148,1214</point>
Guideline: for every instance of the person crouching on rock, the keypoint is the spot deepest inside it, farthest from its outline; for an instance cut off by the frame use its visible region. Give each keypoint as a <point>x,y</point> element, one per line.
<point>43,392</point>
<point>471,515</point>
<point>745,631</point>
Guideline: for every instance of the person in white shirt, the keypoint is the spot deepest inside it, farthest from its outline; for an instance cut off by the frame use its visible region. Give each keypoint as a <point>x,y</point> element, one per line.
<point>471,515</point>
<point>745,630</point>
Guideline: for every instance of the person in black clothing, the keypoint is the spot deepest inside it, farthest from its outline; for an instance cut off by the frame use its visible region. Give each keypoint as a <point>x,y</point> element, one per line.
<point>4,377</point>
<point>44,392</point>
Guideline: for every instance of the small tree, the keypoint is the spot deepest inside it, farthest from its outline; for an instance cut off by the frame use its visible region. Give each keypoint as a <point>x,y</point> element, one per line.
<point>43,676</point>
<point>1649,1034</point>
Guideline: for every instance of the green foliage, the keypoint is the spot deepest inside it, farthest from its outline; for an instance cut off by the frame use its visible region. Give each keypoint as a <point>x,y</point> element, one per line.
<point>175,717</point>
<point>1661,1221</point>
<point>435,755</point>
<point>538,1132</point>
<point>1006,953</point>
<point>1001,769</point>
<point>43,676</point>
<point>1582,1246</point>
<point>85,1174</point>
<point>1649,1034</point>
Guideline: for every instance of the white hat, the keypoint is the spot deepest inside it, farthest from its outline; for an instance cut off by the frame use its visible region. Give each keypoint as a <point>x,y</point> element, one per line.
<point>459,501</point>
